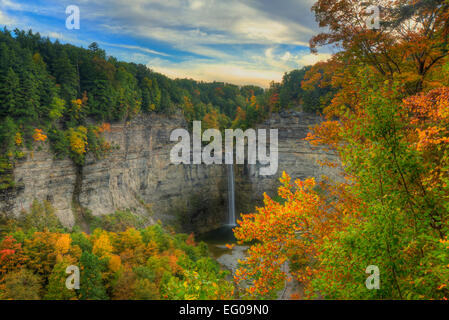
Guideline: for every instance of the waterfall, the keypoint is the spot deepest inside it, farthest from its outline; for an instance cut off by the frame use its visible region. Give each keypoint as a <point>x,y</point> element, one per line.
<point>231,196</point>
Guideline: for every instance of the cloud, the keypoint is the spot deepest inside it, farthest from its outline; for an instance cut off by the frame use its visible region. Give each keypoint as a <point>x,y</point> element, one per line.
<point>311,59</point>
<point>55,35</point>
<point>183,23</point>
<point>241,41</point>
<point>131,47</point>
<point>6,20</point>
<point>258,70</point>
<point>10,5</point>
<point>209,71</point>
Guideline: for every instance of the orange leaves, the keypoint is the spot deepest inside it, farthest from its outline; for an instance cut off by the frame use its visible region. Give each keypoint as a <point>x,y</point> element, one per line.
<point>211,121</point>
<point>320,75</point>
<point>18,139</point>
<point>428,107</point>
<point>41,252</point>
<point>241,114</point>
<point>76,108</point>
<point>274,100</point>
<point>39,135</point>
<point>409,46</point>
<point>326,133</point>
<point>430,136</point>
<point>283,231</point>
<point>115,263</point>
<point>105,127</point>
<point>293,231</point>
<point>188,105</point>
<point>428,115</point>
<point>191,240</point>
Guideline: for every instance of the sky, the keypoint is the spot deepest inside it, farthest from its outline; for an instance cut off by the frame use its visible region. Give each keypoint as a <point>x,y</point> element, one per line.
<point>236,41</point>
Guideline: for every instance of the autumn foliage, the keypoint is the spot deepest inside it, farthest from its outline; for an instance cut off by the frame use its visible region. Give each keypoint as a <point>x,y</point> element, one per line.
<point>150,263</point>
<point>388,123</point>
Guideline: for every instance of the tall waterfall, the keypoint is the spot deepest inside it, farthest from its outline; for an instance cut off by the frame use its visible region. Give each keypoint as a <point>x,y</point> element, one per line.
<point>231,196</point>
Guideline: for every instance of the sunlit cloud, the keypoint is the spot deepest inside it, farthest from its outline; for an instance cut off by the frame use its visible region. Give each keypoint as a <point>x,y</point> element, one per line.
<point>260,70</point>
<point>249,41</point>
<point>206,71</point>
<point>311,59</point>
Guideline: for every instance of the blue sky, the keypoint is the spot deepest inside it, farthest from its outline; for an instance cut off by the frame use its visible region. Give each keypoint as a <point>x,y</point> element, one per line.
<point>242,42</point>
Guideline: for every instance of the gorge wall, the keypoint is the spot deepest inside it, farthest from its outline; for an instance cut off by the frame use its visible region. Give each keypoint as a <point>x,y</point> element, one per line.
<point>138,175</point>
<point>296,157</point>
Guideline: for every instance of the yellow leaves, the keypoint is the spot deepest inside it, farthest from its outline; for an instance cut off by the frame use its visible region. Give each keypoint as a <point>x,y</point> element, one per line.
<point>102,245</point>
<point>78,140</point>
<point>136,265</point>
<point>115,263</point>
<point>39,135</point>
<point>63,243</point>
<point>18,139</point>
<point>77,104</point>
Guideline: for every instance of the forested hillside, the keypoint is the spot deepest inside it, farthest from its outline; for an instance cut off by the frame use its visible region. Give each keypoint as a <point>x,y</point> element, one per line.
<point>68,95</point>
<point>116,261</point>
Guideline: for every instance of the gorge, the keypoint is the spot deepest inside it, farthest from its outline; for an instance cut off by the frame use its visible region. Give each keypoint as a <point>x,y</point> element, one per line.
<point>137,175</point>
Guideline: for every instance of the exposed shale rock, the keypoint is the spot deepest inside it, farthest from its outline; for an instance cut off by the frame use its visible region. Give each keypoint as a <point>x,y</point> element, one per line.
<point>138,175</point>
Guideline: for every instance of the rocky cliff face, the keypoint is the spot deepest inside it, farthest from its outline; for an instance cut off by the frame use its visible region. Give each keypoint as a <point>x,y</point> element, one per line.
<point>296,157</point>
<point>138,174</point>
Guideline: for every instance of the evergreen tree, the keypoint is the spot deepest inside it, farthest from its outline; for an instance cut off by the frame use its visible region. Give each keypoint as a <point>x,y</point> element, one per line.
<point>9,92</point>
<point>66,76</point>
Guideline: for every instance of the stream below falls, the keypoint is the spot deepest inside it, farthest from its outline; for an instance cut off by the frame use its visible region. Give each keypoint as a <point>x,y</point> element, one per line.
<point>217,239</point>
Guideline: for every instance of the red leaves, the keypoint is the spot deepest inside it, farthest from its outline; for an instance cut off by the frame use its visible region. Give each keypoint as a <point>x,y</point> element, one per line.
<point>11,255</point>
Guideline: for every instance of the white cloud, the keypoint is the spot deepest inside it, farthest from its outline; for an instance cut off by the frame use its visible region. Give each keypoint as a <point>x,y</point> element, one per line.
<point>196,4</point>
<point>5,20</point>
<point>10,5</point>
<point>55,35</point>
<point>244,42</point>
<point>185,23</point>
<point>146,50</point>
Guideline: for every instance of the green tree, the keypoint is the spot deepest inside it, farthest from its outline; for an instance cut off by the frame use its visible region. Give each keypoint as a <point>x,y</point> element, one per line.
<point>91,284</point>
<point>9,92</point>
